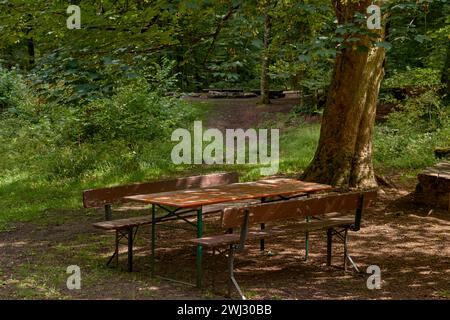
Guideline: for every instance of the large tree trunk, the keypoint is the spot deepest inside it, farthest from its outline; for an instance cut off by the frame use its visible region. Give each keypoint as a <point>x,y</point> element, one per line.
<point>265,86</point>
<point>344,155</point>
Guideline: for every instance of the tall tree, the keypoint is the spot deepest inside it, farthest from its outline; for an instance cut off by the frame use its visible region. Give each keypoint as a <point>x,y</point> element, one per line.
<point>344,155</point>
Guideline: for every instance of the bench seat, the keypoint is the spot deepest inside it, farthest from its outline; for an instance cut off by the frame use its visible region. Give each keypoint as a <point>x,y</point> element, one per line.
<point>121,224</point>
<point>227,239</point>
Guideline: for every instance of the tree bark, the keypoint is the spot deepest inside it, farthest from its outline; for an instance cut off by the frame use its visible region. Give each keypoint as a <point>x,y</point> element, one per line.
<point>265,85</point>
<point>344,155</point>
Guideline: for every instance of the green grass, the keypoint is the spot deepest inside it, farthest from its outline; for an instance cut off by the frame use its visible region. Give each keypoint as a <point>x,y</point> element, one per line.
<point>297,147</point>
<point>445,294</point>
<point>27,196</point>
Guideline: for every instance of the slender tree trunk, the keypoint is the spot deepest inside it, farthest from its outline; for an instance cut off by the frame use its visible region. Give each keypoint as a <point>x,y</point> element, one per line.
<point>31,53</point>
<point>445,77</point>
<point>30,44</point>
<point>265,85</point>
<point>296,83</point>
<point>344,155</point>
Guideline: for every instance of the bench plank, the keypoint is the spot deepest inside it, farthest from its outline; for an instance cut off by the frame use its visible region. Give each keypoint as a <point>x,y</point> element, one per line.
<point>99,197</point>
<point>226,239</point>
<point>294,209</point>
<point>229,238</point>
<point>123,223</point>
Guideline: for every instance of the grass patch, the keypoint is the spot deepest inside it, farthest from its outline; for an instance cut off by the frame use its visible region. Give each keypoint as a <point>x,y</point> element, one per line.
<point>28,197</point>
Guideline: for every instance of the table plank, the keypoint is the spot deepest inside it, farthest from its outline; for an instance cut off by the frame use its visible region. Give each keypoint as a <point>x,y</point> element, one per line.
<point>231,192</point>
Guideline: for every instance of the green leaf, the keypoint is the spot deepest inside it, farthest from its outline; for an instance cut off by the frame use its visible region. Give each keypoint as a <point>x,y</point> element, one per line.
<point>421,38</point>
<point>383,44</point>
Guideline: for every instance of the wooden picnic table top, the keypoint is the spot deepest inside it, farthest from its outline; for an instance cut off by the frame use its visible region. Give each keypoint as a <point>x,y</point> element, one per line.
<point>230,192</point>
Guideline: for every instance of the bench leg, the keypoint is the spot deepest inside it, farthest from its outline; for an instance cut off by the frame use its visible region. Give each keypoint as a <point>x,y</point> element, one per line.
<point>116,250</point>
<point>213,281</point>
<point>130,249</point>
<point>346,255</point>
<point>345,251</point>
<point>329,246</point>
<point>307,242</point>
<point>232,279</point>
<point>130,237</point>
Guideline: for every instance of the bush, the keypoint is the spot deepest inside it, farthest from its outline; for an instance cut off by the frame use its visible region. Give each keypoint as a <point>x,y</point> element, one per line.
<point>425,113</point>
<point>410,134</point>
<point>417,77</point>
<point>124,133</point>
<point>13,92</point>
<point>133,114</point>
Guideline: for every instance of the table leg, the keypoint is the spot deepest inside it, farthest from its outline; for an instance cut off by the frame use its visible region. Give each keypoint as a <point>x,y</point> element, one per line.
<point>262,242</point>
<point>306,242</point>
<point>199,248</point>
<point>263,226</point>
<point>307,235</point>
<point>152,270</point>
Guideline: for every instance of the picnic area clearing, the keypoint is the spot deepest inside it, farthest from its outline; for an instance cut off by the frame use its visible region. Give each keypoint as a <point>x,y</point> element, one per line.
<point>409,243</point>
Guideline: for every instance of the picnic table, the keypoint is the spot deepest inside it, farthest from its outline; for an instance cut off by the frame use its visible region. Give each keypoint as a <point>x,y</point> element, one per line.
<point>176,204</point>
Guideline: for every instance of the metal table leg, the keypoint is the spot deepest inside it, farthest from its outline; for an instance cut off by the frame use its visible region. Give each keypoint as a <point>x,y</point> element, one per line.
<point>152,272</point>
<point>199,270</point>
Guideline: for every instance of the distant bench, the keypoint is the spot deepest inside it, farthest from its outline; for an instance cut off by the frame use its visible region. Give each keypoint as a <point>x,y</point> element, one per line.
<point>128,227</point>
<point>319,208</point>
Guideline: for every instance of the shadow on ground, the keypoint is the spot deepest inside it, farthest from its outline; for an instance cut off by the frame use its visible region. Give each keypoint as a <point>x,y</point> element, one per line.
<point>410,244</point>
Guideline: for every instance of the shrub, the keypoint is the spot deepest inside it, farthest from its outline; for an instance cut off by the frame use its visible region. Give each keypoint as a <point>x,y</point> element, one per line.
<point>412,132</point>
<point>13,91</point>
<point>133,114</point>
<point>417,77</point>
<point>118,133</point>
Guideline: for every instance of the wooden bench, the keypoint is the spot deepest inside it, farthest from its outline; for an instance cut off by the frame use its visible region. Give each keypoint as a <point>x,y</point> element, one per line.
<point>127,228</point>
<point>318,208</point>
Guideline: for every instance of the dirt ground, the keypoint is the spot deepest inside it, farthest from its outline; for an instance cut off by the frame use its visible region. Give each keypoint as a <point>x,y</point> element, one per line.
<point>245,113</point>
<point>409,243</point>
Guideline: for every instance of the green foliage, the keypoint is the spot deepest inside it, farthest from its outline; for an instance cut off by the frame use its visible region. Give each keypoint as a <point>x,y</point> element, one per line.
<point>133,113</point>
<point>424,113</point>
<point>410,135</point>
<point>419,77</point>
<point>418,32</point>
<point>407,150</point>
<point>13,92</point>
<point>130,129</point>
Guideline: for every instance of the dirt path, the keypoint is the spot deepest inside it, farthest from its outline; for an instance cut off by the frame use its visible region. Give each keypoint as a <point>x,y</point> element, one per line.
<point>408,243</point>
<point>247,113</point>
<point>244,113</point>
